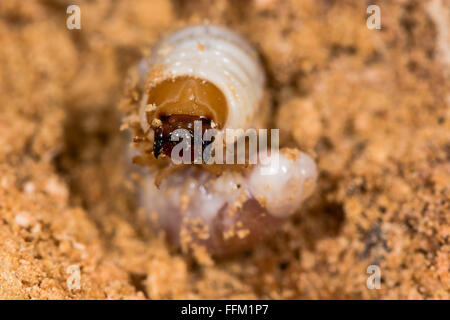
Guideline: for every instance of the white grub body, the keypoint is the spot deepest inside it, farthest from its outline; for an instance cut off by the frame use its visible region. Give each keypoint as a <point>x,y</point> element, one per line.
<point>214,54</point>
<point>234,210</point>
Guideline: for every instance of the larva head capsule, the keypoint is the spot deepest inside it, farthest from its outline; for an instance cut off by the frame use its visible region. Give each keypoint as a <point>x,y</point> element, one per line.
<point>204,73</point>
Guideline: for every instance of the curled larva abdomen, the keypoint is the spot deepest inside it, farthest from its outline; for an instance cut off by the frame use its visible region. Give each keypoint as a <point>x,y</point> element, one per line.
<point>233,211</point>
<point>210,75</point>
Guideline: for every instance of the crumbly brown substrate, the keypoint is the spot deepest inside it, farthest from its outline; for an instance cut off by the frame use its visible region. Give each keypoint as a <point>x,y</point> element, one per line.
<point>372,106</point>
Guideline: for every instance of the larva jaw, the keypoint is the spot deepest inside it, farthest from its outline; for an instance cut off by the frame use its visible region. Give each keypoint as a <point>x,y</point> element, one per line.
<point>163,138</point>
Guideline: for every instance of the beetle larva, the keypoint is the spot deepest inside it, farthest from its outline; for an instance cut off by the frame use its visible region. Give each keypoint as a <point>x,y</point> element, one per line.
<point>209,74</point>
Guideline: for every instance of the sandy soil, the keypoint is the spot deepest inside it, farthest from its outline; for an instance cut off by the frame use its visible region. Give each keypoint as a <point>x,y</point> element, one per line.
<point>372,106</point>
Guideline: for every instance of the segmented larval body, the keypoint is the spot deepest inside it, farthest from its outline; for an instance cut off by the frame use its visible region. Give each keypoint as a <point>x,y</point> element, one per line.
<point>214,55</point>
<point>210,74</point>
